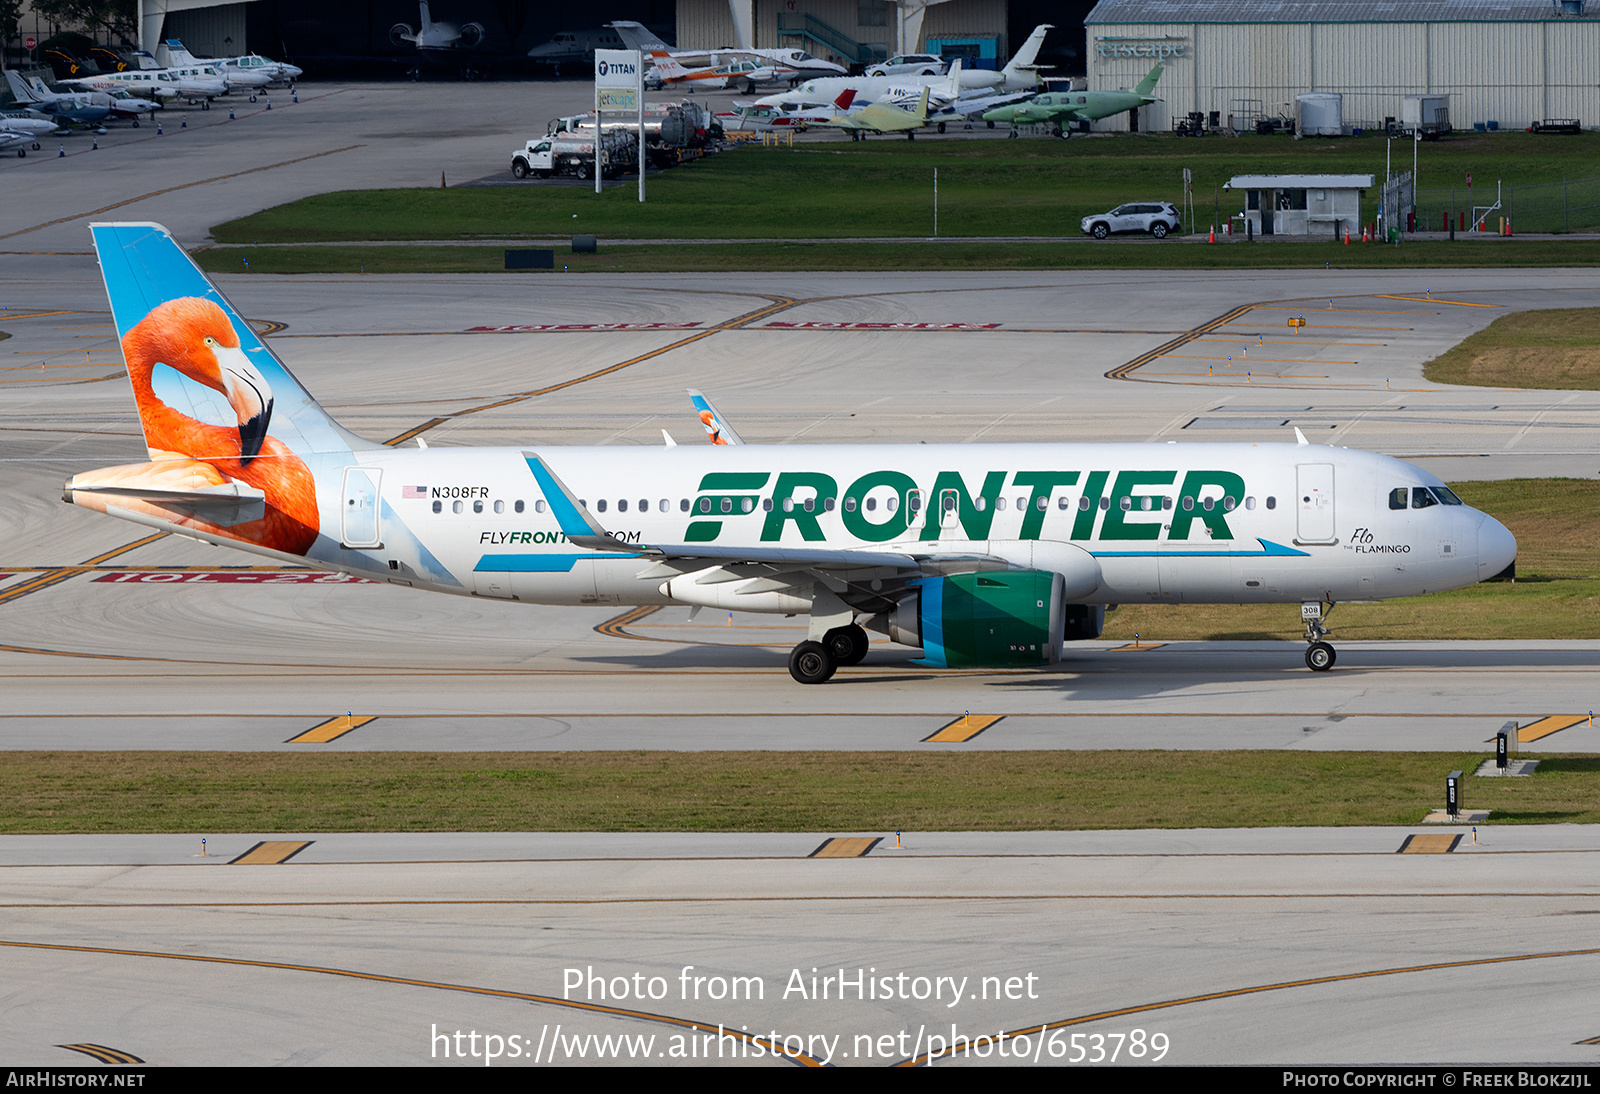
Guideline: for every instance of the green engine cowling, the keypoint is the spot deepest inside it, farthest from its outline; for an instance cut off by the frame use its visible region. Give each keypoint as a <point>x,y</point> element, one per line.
<point>991,619</point>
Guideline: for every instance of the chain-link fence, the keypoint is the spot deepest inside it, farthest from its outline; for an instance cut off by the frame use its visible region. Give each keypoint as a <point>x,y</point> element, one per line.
<point>1572,205</point>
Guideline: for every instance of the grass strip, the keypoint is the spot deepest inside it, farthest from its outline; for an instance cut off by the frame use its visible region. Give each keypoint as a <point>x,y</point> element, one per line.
<point>916,255</point>
<point>885,188</point>
<point>1556,348</point>
<point>207,792</point>
<point>1556,594</point>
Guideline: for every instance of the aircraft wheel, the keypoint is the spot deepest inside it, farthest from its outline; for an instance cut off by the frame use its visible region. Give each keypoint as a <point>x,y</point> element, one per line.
<point>36,146</point>
<point>22,153</point>
<point>252,98</point>
<point>205,105</point>
<point>136,123</point>
<point>941,127</point>
<point>811,663</point>
<point>1320,657</point>
<point>848,645</point>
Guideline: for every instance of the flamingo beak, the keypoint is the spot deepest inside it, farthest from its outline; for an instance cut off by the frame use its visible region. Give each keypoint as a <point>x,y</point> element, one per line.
<point>251,398</point>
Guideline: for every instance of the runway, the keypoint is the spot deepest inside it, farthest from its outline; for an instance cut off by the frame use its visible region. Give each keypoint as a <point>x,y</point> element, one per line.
<point>1309,946</point>
<point>1238,947</point>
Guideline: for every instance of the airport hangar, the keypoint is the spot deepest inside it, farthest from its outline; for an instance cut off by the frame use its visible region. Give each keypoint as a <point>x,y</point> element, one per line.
<point>1514,62</point>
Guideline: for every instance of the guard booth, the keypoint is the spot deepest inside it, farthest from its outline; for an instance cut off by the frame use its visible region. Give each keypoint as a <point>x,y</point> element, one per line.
<point>1301,205</point>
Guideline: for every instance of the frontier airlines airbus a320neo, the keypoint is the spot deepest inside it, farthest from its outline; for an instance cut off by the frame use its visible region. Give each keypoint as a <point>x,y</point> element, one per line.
<point>976,554</point>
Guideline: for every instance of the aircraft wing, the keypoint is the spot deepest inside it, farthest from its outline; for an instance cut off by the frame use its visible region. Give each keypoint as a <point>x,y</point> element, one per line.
<point>977,104</point>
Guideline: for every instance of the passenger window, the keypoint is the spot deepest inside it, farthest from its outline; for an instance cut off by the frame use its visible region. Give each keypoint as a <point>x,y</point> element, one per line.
<point>1000,504</point>
<point>455,507</point>
<point>1083,503</point>
<point>1105,503</point>
<point>438,506</point>
<point>766,505</point>
<point>683,505</point>
<point>727,505</point>
<point>788,505</point>
<point>1397,498</point>
<point>849,505</point>
<point>1250,502</point>
<point>1208,504</point>
<point>1042,503</point>
<point>980,503</point>
<point>1272,502</point>
<point>891,502</point>
<point>601,505</point>
<point>1126,503</point>
<point>518,506</point>
<point>1022,503</point>
<point>872,505</point>
<point>1166,503</point>
<point>499,506</point>
<point>827,504</point>
<point>622,506</point>
<point>705,505</point>
<point>477,506</point>
<point>746,504</point>
<point>1064,502</point>
<point>811,505</point>
<point>1422,498</point>
<point>1228,504</point>
<point>538,506</point>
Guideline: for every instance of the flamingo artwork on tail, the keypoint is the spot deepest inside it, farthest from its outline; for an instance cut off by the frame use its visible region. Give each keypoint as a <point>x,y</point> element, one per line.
<point>194,337</point>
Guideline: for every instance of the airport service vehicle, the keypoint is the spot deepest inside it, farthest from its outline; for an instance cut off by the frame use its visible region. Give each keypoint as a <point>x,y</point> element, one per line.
<point>1061,109</point>
<point>1156,217</point>
<point>909,64</point>
<point>976,554</point>
<point>668,127</point>
<point>1425,114</point>
<point>574,155</point>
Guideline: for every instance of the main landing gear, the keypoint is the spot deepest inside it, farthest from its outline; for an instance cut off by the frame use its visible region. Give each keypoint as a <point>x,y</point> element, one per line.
<point>816,662</point>
<point>1320,656</point>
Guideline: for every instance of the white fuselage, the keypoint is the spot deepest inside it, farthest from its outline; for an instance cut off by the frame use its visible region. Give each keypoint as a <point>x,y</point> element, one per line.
<point>1224,523</point>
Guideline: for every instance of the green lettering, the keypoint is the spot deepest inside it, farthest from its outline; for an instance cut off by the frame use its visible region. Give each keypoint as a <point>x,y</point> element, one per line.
<point>1215,518</point>
<point>975,522</point>
<point>860,525</point>
<point>702,531</point>
<point>735,480</point>
<point>1042,482</point>
<point>788,483</point>
<point>1117,525</point>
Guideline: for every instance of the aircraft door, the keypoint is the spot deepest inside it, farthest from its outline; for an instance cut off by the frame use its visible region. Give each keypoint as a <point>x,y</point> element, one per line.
<point>1314,499</point>
<point>916,517</point>
<point>359,507</point>
<point>949,509</point>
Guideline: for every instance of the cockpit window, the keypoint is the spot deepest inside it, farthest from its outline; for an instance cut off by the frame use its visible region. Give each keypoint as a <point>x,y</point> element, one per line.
<point>1397,498</point>
<point>1446,495</point>
<point>1422,497</point>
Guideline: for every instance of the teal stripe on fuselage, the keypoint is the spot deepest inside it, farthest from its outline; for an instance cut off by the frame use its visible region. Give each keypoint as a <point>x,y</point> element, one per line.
<point>536,564</point>
<point>1269,549</point>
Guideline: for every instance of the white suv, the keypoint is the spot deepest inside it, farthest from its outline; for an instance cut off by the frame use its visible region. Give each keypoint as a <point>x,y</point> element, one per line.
<point>910,64</point>
<point>1156,217</point>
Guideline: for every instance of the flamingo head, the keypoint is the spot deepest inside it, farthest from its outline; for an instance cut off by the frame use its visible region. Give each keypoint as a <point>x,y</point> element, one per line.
<point>193,336</point>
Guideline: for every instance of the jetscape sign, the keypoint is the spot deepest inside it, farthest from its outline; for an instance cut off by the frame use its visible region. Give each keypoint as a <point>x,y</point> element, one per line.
<point>1156,49</point>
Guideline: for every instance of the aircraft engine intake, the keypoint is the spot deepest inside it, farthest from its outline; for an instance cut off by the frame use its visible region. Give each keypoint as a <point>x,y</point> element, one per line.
<point>996,619</point>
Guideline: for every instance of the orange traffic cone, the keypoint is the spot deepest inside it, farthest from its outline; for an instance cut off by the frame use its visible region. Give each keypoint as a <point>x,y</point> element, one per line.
<point>1347,235</point>
<point>1213,237</point>
<point>1365,236</point>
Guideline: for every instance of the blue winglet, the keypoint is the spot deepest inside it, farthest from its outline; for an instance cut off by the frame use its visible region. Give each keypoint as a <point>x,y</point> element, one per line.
<point>568,514</point>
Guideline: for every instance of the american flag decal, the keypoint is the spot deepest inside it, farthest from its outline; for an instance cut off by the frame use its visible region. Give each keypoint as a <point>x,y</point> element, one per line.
<point>413,491</point>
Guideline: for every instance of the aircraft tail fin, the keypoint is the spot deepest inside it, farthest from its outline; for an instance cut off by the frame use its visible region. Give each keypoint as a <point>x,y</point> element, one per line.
<point>1030,50</point>
<point>1148,84</point>
<point>20,88</point>
<point>954,77</point>
<point>195,363</point>
<point>667,66</point>
<point>922,105</point>
<point>846,97</point>
<point>180,55</point>
<point>638,36</point>
<point>717,427</point>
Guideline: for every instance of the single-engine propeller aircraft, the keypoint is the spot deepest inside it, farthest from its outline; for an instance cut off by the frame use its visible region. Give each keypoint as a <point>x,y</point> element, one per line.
<point>978,554</point>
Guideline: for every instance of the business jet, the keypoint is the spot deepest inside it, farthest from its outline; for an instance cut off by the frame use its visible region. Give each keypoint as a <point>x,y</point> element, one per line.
<point>987,555</point>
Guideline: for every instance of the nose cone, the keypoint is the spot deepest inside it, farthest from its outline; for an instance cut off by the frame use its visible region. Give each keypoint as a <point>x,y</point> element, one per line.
<point>1497,548</point>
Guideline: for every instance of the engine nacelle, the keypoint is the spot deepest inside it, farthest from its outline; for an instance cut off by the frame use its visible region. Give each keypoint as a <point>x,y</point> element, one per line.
<point>996,619</point>
<point>471,35</point>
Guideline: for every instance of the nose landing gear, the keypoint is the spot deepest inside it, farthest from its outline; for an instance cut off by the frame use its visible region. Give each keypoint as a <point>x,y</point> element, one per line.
<point>1320,656</point>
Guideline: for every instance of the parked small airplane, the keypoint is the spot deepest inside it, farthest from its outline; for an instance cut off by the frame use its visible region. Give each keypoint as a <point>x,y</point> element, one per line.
<point>82,107</point>
<point>250,79</point>
<point>1062,108</point>
<point>575,47</point>
<point>803,65</point>
<point>978,555</point>
<point>880,117</point>
<point>431,35</point>
<point>747,74</point>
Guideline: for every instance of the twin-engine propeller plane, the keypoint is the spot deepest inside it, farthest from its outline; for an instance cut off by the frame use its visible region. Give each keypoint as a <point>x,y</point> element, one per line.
<point>979,555</point>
